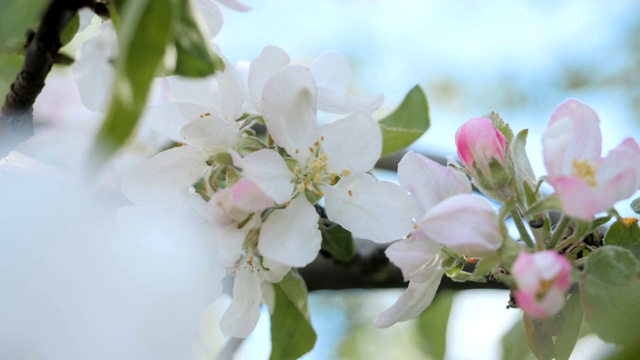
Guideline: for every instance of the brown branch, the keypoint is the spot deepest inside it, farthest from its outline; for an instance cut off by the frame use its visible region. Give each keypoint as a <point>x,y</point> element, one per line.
<point>41,50</point>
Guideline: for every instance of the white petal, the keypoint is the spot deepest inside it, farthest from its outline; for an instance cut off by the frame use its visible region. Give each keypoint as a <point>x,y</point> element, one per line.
<point>290,236</point>
<point>412,302</point>
<point>235,5</point>
<point>289,110</point>
<point>276,271</point>
<point>416,256</point>
<point>212,134</point>
<point>267,169</point>
<point>353,143</point>
<point>333,77</point>
<point>383,217</point>
<point>429,182</point>
<point>227,236</point>
<point>230,92</point>
<point>93,69</point>
<point>212,16</point>
<point>168,119</point>
<point>243,313</point>
<point>193,90</point>
<point>164,179</point>
<point>271,60</point>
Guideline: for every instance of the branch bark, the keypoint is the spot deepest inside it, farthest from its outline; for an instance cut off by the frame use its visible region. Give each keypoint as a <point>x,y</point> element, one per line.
<point>370,269</point>
<point>41,50</point>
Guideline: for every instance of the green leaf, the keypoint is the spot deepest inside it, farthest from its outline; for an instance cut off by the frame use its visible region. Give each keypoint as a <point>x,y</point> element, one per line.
<point>291,332</point>
<point>432,325</point>
<point>610,291</point>
<point>16,16</point>
<point>635,206</point>
<point>522,167</point>
<point>570,328</point>
<point>71,30</point>
<point>514,343</point>
<point>407,123</point>
<point>625,234</point>
<point>194,56</point>
<point>337,241</point>
<point>142,38</point>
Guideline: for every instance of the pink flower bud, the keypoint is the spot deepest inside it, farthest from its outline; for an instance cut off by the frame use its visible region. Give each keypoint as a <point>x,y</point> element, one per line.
<point>479,141</point>
<point>543,279</point>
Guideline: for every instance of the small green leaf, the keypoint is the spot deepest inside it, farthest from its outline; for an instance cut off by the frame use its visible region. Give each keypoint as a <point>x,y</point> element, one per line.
<point>514,343</point>
<point>407,123</point>
<point>71,30</point>
<point>610,291</point>
<point>16,16</point>
<point>569,329</point>
<point>522,167</point>
<point>337,241</point>
<point>291,332</point>
<point>142,38</point>
<point>626,235</point>
<point>432,325</point>
<point>194,56</point>
<point>635,206</point>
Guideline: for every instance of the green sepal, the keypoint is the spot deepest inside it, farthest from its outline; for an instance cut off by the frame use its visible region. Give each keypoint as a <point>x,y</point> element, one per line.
<point>249,144</point>
<point>486,264</point>
<point>501,125</point>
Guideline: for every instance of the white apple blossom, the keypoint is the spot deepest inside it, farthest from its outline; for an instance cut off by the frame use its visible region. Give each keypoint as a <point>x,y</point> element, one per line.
<point>473,231</point>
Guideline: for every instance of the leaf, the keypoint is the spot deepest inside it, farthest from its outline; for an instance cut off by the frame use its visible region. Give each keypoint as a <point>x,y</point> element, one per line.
<point>635,206</point>
<point>610,291</point>
<point>501,125</point>
<point>514,343</point>
<point>432,325</point>
<point>194,56</point>
<point>555,337</point>
<point>407,123</point>
<point>625,234</point>
<point>71,30</point>
<point>522,167</point>
<point>142,38</point>
<point>338,242</point>
<point>16,16</point>
<point>291,332</point>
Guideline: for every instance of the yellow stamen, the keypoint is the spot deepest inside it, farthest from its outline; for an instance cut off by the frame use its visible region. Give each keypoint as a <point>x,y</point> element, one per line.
<point>345,172</point>
<point>317,178</point>
<point>350,193</point>
<point>585,170</point>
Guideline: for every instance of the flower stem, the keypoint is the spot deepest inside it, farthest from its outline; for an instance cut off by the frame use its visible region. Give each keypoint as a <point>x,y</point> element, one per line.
<point>559,231</point>
<point>524,234</point>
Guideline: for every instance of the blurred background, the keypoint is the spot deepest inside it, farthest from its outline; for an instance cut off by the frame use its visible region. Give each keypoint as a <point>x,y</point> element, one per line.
<point>471,57</point>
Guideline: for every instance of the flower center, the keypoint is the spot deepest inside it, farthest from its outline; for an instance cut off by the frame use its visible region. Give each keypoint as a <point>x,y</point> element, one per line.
<point>315,172</point>
<point>585,170</point>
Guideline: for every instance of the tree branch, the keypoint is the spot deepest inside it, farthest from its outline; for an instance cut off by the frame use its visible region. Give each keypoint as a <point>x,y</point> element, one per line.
<point>41,49</point>
<point>370,269</point>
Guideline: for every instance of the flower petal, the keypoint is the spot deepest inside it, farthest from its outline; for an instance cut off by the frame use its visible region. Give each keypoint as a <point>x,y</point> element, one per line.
<point>382,218</point>
<point>243,313</point>
<point>464,223</point>
<point>93,71</point>
<point>618,174</point>
<point>164,180</point>
<point>346,151</point>
<point>212,16</point>
<point>230,92</point>
<point>276,271</point>
<point>212,134</point>
<point>226,234</point>
<point>271,60</point>
<point>333,77</point>
<point>289,110</point>
<point>290,236</point>
<point>193,90</point>
<point>416,256</point>
<point>235,5</point>
<point>267,169</point>
<point>168,119</point>
<point>412,302</point>
<point>428,182</point>
<point>573,134</point>
<point>577,197</point>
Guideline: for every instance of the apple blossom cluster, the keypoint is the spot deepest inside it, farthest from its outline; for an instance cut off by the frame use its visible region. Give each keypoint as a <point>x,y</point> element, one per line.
<point>454,228</point>
<point>260,192</point>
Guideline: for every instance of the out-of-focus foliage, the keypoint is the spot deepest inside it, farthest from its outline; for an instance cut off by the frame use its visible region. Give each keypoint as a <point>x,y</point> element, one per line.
<point>625,235</point>
<point>16,17</point>
<point>432,325</point>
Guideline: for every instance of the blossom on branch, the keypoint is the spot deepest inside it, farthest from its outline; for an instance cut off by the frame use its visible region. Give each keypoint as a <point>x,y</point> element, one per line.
<point>543,279</point>
<point>585,182</point>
